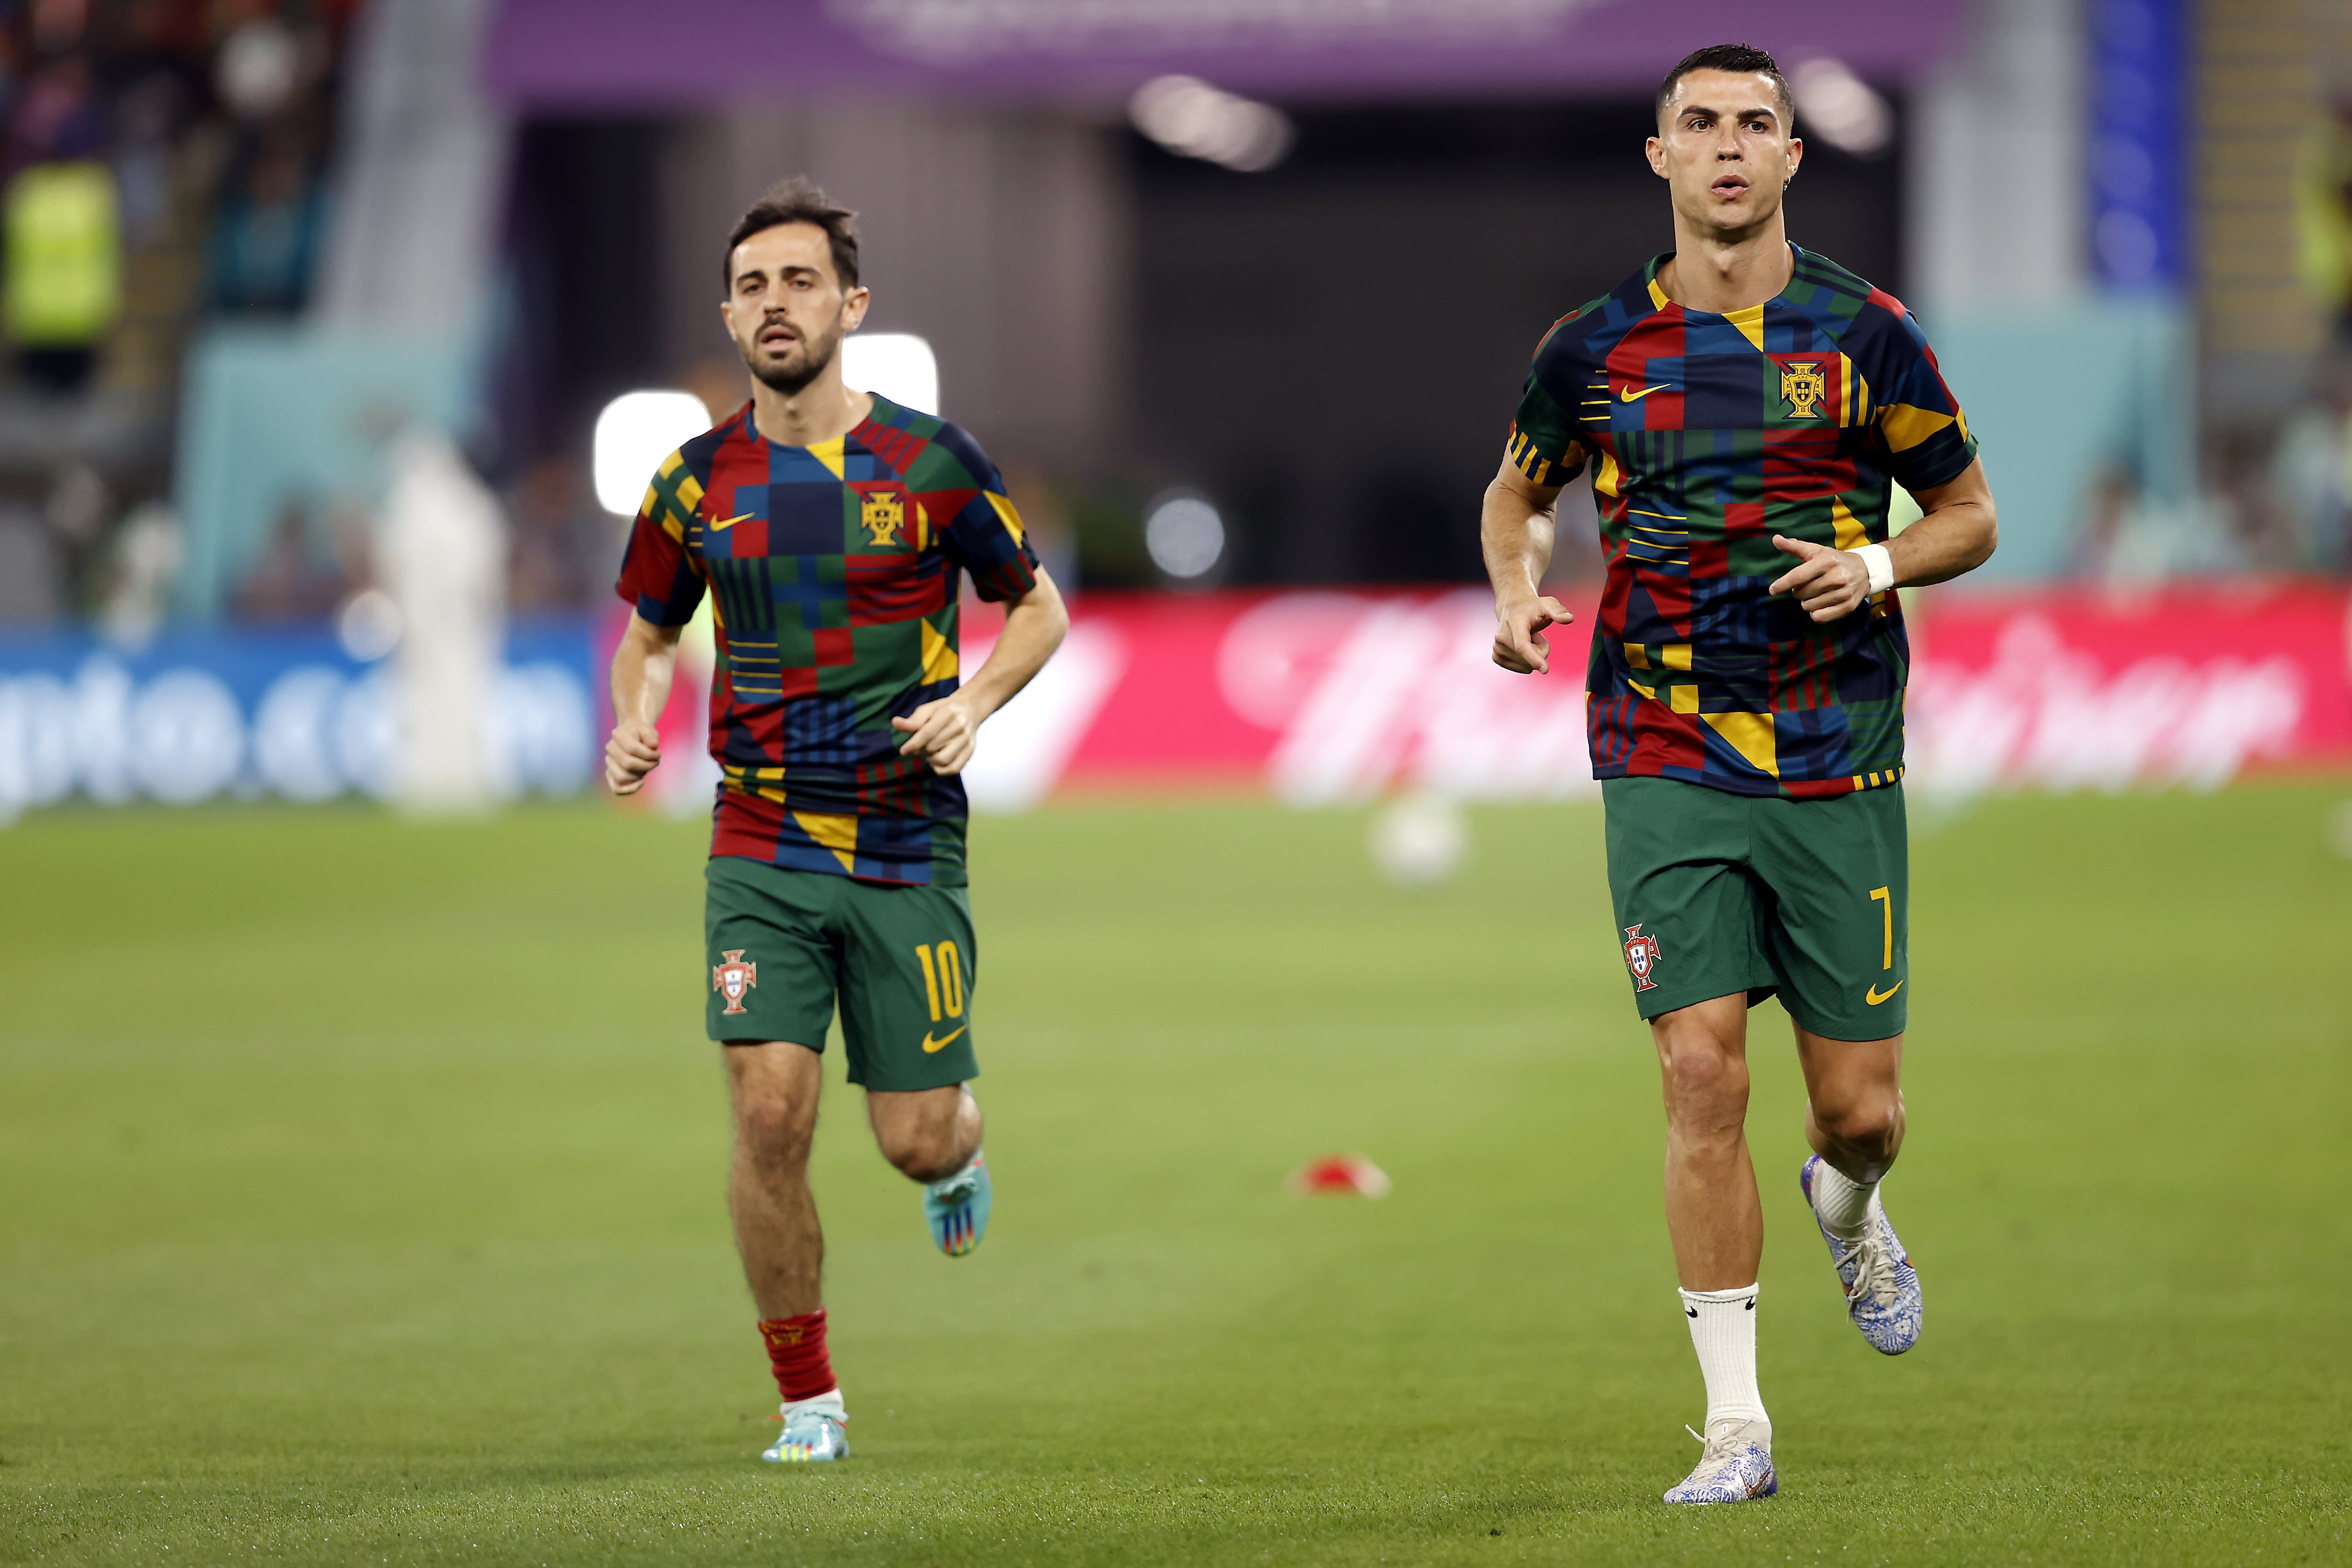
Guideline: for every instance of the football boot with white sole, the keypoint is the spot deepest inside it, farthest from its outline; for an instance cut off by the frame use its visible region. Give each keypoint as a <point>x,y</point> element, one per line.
<point>813,1433</point>
<point>1734,1465</point>
<point>957,1207</point>
<point>1882,1288</point>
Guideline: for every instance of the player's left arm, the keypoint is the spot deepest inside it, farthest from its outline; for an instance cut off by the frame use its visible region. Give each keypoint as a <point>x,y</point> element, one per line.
<point>943,732</point>
<point>1956,534</point>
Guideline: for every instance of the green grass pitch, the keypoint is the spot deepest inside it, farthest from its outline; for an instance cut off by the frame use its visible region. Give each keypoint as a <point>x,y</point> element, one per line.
<point>360,1202</point>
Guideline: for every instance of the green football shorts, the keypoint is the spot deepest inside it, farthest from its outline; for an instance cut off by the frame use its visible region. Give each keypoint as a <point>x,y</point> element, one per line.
<point>785,946</point>
<point>1718,893</point>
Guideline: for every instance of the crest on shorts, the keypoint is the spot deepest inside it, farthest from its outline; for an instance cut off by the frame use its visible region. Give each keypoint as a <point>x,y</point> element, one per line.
<point>733,978</point>
<point>1804,386</point>
<point>883,514</point>
<point>1642,956</point>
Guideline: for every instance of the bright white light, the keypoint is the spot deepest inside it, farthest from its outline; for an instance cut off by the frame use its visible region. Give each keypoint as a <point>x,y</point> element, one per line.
<point>1186,115</point>
<point>1184,534</point>
<point>899,366</point>
<point>1841,108</point>
<point>634,433</point>
<point>369,625</point>
<point>1420,841</point>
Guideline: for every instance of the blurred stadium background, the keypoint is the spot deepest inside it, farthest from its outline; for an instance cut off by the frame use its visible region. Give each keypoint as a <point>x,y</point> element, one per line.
<point>358,1178</point>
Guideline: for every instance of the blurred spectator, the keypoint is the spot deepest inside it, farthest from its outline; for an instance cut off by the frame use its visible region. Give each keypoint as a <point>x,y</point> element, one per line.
<point>265,241</point>
<point>2311,475</point>
<point>148,551</point>
<point>64,268</point>
<point>560,540</point>
<point>2322,201</point>
<point>293,580</point>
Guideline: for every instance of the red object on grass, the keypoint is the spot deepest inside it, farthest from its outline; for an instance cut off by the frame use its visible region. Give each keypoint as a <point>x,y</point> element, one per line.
<point>1341,1174</point>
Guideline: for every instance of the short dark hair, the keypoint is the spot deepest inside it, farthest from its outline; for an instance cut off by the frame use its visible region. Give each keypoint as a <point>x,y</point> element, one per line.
<point>798,200</point>
<point>1744,59</point>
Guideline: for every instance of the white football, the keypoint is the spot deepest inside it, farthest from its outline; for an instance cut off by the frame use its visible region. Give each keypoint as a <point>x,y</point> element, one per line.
<point>1421,840</point>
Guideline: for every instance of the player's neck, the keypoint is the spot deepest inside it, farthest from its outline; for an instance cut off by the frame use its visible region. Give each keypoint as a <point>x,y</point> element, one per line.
<point>1720,274</point>
<point>825,410</point>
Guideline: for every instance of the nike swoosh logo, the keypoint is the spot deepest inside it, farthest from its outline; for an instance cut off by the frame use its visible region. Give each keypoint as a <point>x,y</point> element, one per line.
<point>728,521</point>
<point>930,1044</point>
<point>1629,395</point>
<point>1874,998</point>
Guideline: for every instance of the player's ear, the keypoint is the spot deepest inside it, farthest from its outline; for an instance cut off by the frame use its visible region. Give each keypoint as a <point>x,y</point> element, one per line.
<point>852,306</point>
<point>1657,157</point>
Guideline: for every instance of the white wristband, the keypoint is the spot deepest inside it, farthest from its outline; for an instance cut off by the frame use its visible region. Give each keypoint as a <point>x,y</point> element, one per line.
<point>1880,565</point>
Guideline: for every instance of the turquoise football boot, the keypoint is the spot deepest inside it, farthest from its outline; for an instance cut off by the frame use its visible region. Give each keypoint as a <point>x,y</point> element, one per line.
<point>813,1435</point>
<point>958,1206</point>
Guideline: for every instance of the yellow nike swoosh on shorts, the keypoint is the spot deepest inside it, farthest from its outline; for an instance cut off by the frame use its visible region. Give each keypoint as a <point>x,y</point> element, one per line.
<point>930,1044</point>
<point>1874,998</point>
<point>1627,395</point>
<point>728,521</point>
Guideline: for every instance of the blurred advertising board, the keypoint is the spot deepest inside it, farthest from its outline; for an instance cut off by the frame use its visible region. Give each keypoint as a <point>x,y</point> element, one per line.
<point>197,716</point>
<point>1317,697</point>
<point>1330,697</point>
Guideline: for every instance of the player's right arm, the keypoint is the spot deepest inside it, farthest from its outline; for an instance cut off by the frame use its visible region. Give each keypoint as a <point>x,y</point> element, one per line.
<point>1516,528</point>
<point>642,669</point>
<point>662,583</point>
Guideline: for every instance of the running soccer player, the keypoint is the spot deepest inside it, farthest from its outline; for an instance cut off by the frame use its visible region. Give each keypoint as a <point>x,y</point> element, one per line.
<point>1744,405</point>
<point>831,528</point>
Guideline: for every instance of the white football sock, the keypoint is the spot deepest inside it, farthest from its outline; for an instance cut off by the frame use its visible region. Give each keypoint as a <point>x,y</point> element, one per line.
<point>1723,1331</point>
<point>828,1401</point>
<point>1843,1202</point>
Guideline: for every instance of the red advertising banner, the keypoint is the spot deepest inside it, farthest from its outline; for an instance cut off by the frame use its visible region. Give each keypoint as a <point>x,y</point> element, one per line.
<point>1331,696</point>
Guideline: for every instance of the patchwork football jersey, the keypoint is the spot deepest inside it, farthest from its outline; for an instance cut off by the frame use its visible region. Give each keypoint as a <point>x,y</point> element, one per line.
<point>1710,433</point>
<point>834,573</point>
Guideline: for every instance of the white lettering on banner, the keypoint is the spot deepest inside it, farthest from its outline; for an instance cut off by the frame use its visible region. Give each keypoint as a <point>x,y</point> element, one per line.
<point>2044,715</point>
<point>179,736</point>
<point>1025,744</point>
<point>1376,694</point>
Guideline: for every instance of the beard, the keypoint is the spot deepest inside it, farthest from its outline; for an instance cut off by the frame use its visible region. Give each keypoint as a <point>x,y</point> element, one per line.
<point>793,372</point>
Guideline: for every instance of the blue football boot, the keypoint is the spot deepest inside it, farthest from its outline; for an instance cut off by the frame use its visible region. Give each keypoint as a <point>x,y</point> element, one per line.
<point>957,1207</point>
<point>1881,1290</point>
<point>1734,1465</point>
<point>812,1434</point>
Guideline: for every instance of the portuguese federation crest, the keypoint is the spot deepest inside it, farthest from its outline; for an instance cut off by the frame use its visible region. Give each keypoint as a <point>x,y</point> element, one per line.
<point>1803,386</point>
<point>1642,956</point>
<point>883,514</point>
<point>733,979</point>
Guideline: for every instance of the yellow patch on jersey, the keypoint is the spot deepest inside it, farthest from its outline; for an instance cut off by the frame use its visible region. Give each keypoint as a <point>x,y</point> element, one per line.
<point>1637,655</point>
<point>832,830</point>
<point>881,514</point>
<point>1850,534</point>
<point>1658,295</point>
<point>938,659</point>
<point>1803,385</point>
<point>1675,655</point>
<point>1751,323</point>
<point>1750,735</point>
<point>834,455</point>
<point>1605,477</point>
<point>1005,514</point>
<point>1906,426</point>
<point>1683,699</point>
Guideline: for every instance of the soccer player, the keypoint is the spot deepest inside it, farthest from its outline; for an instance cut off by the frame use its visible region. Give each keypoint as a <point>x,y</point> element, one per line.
<point>831,529</point>
<point>1744,405</point>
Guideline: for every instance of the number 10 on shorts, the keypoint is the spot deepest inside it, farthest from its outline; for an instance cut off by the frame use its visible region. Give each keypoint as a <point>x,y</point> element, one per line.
<point>942,979</point>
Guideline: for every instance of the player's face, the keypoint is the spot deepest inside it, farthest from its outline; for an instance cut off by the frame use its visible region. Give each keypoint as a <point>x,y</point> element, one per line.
<point>1724,149</point>
<point>786,307</point>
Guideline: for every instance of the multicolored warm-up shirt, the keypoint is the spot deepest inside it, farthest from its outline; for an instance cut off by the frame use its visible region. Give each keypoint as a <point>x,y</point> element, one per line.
<point>833,571</point>
<point>1710,435</point>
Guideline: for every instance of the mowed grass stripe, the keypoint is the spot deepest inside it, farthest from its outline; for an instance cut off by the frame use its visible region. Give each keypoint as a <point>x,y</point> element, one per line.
<point>362,1184</point>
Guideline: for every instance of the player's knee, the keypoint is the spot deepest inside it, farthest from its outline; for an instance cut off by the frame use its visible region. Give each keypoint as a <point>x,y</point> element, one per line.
<point>1699,1080</point>
<point>925,1153</point>
<point>1868,1125</point>
<point>772,1128</point>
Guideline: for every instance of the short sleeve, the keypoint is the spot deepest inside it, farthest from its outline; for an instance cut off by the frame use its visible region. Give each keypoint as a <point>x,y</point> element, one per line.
<point>1543,445</point>
<point>1920,422</point>
<point>985,536</point>
<point>658,575</point>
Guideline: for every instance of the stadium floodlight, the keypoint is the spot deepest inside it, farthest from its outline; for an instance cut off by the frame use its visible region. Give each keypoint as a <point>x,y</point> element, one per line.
<point>1189,117</point>
<point>1183,534</point>
<point>900,366</point>
<point>634,433</point>
<point>1841,108</point>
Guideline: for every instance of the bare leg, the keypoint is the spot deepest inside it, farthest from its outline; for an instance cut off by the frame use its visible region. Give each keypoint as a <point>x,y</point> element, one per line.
<point>1712,1209</point>
<point>928,1134</point>
<point>1854,1102</point>
<point>773,1088</point>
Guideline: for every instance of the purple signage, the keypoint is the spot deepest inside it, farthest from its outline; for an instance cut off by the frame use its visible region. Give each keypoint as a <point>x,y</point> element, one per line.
<point>617,54</point>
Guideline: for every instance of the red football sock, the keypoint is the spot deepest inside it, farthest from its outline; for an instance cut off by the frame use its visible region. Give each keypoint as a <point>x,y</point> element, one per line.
<point>797,1350</point>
